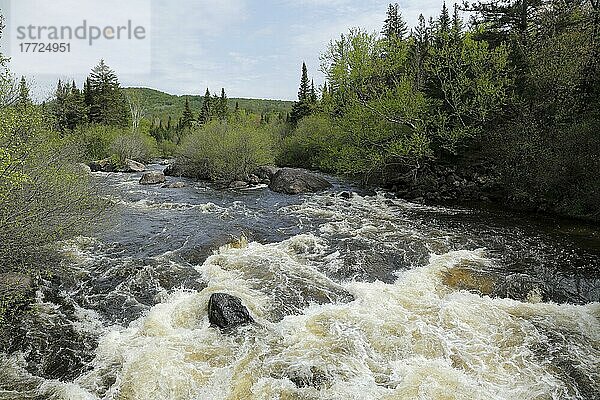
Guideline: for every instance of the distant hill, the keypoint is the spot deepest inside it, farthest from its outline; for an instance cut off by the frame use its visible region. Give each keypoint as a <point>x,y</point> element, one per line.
<point>163,105</point>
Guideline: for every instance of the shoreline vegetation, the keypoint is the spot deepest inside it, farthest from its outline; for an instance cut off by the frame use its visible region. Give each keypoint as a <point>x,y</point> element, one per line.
<point>500,109</point>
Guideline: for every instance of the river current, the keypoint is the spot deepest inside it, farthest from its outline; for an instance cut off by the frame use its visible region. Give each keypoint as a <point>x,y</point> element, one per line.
<point>369,297</point>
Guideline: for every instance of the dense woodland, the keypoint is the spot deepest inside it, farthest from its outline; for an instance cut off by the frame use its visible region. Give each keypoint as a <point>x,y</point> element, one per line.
<point>509,87</point>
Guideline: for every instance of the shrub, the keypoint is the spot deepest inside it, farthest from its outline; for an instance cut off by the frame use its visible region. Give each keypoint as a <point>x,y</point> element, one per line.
<point>226,151</point>
<point>44,196</point>
<point>134,146</point>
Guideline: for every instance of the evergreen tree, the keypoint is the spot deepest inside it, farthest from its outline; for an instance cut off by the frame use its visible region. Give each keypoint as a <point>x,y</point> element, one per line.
<point>395,27</point>
<point>302,107</point>
<point>206,110</point>
<point>313,94</point>
<point>304,91</point>
<point>457,25</point>
<point>24,100</point>
<point>75,109</point>
<point>222,109</point>
<point>187,118</point>
<point>108,102</point>
<point>443,25</point>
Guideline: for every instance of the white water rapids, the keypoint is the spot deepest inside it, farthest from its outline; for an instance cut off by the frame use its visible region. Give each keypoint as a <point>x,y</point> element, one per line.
<point>418,335</point>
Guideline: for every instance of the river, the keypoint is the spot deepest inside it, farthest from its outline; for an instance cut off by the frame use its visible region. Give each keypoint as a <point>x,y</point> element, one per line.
<point>363,298</point>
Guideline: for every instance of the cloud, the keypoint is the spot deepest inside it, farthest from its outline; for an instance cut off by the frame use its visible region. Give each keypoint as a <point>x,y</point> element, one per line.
<point>251,48</point>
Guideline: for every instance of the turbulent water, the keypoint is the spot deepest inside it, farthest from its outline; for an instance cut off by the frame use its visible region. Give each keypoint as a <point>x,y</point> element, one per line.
<point>361,298</point>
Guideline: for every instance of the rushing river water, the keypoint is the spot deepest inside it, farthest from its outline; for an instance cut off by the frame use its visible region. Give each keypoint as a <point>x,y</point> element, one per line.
<point>361,298</point>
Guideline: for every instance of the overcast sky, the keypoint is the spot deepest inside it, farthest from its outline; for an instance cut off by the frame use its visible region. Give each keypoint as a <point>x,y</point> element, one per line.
<point>252,48</point>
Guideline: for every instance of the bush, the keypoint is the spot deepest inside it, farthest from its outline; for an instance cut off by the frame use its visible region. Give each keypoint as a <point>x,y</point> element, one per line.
<point>95,140</point>
<point>44,196</point>
<point>310,145</point>
<point>226,151</point>
<point>134,146</point>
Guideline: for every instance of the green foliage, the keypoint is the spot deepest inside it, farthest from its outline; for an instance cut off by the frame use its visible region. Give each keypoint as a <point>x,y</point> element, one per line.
<point>307,98</point>
<point>134,146</point>
<point>44,196</point>
<point>226,151</point>
<point>107,102</point>
<point>394,27</point>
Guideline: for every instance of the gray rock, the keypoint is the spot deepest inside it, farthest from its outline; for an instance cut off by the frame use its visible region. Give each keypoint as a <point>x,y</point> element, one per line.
<point>175,185</point>
<point>152,178</point>
<point>296,181</point>
<point>13,284</point>
<point>265,172</point>
<point>132,166</point>
<point>107,165</point>
<point>173,170</point>
<point>238,185</point>
<point>346,195</point>
<point>253,179</point>
<point>83,168</point>
<point>227,312</point>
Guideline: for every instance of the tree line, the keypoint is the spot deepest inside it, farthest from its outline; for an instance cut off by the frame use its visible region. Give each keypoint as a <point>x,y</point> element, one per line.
<point>514,88</point>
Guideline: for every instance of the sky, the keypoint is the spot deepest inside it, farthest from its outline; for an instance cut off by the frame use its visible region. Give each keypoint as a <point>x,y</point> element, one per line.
<point>252,48</point>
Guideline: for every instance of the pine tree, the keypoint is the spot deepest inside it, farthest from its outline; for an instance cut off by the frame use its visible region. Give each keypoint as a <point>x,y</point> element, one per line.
<point>24,100</point>
<point>188,117</point>
<point>222,109</point>
<point>313,94</point>
<point>303,93</point>
<point>457,26</point>
<point>395,27</point>
<point>206,110</point>
<point>444,21</point>
<point>302,107</point>
<point>75,110</point>
<point>108,105</point>
<point>419,51</point>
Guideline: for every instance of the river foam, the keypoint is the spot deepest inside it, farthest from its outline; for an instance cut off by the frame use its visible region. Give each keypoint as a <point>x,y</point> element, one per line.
<point>415,338</point>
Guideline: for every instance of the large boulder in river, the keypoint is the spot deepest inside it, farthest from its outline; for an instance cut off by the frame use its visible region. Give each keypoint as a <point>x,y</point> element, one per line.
<point>295,181</point>
<point>105,165</point>
<point>152,178</point>
<point>108,165</point>
<point>132,166</point>
<point>227,312</point>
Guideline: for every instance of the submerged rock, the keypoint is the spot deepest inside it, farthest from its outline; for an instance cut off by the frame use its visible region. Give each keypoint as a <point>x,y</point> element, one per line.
<point>238,185</point>
<point>227,312</point>
<point>152,178</point>
<point>175,185</point>
<point>296,181</point>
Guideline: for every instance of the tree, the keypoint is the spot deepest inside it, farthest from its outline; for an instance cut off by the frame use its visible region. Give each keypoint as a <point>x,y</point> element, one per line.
<point>443,24</point>
<point>137,109</point>
<point>206,110</point>
<point>24,99</point>
<point>395,27</point>
<point>302,107</point>
<point>222,108</point>
<point>188,117</point>
<point>108,102</point>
